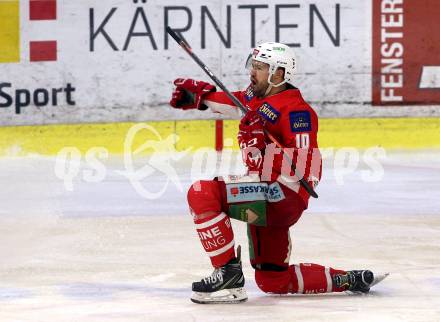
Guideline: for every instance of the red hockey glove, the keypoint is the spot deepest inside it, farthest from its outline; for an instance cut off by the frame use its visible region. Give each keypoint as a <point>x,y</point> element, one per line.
<point>251,139</point>
<point>189,94</point>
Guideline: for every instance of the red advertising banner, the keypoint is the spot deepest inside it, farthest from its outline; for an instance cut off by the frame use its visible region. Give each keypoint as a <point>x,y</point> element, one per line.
<point>406,52</point>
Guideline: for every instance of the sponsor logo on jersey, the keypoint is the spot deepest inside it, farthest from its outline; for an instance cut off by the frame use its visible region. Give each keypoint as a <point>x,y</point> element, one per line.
<point>240,192</point>
<point>269,113</point>
<point>300,121</point>
<point>234,191</point>
<point>249,94</point>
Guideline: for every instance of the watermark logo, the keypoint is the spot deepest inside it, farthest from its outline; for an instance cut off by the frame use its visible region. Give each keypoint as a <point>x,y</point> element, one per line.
<point>150,163</point>
<point>161,159</point>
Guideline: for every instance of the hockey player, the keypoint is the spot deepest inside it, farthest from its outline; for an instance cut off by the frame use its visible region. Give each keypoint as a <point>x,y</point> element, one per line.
<point>269,197</point>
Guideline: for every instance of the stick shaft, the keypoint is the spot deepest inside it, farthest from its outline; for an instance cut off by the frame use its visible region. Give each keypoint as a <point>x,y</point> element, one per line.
<point>237,103</point>
<point>188,49</point>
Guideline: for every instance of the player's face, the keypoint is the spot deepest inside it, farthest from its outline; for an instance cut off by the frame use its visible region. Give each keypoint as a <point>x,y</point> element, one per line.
<point>259,72</point>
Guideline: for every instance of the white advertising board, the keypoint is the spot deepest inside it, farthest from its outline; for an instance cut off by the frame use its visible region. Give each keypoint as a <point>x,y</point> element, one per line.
<point>112,61</point>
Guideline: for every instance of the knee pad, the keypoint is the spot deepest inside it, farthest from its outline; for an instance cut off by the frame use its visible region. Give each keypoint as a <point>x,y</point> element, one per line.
<point>204,196</point>
<point>276,282</point>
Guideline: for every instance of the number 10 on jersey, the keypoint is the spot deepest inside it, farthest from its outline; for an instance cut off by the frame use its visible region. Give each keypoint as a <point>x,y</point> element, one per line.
<point>302,140</point>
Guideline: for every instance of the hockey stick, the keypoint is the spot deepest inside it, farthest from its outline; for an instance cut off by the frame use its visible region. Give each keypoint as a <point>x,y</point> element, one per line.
<point>237,103</point>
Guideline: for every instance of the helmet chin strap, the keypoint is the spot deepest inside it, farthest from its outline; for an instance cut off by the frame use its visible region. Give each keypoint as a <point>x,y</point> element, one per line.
<point>271,85</point>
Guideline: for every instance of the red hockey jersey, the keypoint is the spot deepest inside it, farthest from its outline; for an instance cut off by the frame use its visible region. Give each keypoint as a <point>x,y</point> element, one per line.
<point>293,123</point>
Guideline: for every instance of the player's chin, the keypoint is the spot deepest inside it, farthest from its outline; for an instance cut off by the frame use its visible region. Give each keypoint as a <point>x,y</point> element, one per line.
<point>258,91</point>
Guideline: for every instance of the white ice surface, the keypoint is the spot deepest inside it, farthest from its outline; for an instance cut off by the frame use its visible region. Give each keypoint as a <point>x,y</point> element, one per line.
<point>103,253</point>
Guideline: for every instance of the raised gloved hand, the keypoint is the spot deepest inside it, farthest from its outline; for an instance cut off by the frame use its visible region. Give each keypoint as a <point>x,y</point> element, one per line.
<point>189,94</point>
<point>251,139</point>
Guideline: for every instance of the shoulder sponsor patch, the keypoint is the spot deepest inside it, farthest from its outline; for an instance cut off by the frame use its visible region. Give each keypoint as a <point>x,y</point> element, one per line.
<point>300,121</point>
<point>269,113</point>
<point>249,94</point>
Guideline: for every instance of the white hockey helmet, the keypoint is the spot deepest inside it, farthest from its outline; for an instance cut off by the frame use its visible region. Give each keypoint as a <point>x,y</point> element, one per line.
<point>276,55</point>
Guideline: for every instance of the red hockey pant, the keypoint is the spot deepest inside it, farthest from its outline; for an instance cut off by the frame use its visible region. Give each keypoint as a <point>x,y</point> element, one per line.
<point>268,233</point>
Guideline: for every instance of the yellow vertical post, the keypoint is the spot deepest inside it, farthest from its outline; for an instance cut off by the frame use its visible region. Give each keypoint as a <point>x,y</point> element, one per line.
<point>9,31</point>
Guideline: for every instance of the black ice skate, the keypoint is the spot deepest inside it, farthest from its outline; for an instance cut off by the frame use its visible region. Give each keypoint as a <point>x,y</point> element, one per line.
<point>358,281</point>
<point>224,285</point>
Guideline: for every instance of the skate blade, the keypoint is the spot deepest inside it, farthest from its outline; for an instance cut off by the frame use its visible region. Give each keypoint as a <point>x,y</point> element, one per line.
<point>379,278</point>
<point>376,280</point>
<point>226,296</point>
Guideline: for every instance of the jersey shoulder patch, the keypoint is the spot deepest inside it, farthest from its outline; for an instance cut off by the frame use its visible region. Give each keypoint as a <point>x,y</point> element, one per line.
<point>248,94</point>
<point>300,121</point>
<point>269,113</point>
